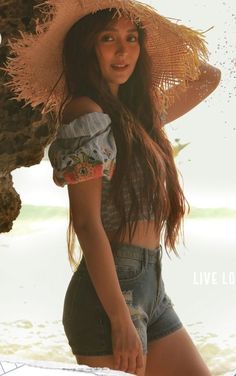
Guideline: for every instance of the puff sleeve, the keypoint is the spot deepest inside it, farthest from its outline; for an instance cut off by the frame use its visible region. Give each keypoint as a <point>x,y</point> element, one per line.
<point>83,149</point>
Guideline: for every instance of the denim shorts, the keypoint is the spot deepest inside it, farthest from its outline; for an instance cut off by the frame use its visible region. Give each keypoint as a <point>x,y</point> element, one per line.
<point>85,321</point>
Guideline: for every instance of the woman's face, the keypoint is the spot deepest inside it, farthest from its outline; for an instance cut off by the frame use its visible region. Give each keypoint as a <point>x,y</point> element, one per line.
<point>117,49</point>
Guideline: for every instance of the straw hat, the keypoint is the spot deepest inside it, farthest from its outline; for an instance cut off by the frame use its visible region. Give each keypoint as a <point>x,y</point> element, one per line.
<point>35,62</point>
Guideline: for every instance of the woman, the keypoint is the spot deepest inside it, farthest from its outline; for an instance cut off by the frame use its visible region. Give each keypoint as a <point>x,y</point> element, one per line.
<point>124,193</point>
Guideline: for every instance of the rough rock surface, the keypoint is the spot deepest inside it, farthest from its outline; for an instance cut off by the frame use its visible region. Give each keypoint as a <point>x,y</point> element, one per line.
<point>24,134</point>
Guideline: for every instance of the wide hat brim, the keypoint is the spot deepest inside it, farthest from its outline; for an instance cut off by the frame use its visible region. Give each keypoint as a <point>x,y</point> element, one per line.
<point>35,62</point>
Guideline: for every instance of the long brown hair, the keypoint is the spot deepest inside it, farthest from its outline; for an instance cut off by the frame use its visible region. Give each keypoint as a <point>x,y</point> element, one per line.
<point>140,139</point>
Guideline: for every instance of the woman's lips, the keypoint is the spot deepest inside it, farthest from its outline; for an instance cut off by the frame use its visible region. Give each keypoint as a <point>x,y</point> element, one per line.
<point>119,67</point>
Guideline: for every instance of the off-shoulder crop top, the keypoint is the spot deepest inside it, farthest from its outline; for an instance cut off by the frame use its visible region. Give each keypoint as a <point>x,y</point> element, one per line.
<point>85,149</point>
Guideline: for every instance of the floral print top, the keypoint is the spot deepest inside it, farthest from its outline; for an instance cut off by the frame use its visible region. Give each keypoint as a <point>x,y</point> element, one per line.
<point>84,149</point>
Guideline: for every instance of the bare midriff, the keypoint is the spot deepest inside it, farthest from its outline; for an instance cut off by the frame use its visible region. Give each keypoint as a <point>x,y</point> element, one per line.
<point>144,236</point>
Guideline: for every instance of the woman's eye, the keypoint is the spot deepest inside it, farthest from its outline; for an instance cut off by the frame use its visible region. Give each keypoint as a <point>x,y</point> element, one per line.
<point>106,38</point>
<point>132,38</point>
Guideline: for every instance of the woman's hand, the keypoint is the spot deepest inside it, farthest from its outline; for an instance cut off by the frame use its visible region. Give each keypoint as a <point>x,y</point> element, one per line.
<point>127,346</point>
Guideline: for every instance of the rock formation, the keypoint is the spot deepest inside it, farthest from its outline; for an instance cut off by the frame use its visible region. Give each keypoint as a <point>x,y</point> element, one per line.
<point>23,132</point>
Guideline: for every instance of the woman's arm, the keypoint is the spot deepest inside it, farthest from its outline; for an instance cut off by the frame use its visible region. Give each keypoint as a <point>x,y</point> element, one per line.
<point>196,92</point>
<point>85,202</point>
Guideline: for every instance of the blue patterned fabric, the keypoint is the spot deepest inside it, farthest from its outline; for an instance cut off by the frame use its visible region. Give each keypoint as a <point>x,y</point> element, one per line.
<point>84,149</point>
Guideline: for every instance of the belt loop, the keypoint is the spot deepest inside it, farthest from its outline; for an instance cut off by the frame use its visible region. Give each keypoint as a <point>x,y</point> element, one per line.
<point>158,263</point>
<point>145,256</point>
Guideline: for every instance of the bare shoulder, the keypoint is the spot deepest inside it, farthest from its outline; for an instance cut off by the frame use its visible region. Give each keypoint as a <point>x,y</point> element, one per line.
<point>79,106</point>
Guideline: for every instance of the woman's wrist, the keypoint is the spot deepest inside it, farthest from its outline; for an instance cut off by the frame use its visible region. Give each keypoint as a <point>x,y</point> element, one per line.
<point>121,315</point>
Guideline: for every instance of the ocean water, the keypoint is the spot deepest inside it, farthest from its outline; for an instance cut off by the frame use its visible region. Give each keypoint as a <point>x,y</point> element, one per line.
<point>34,274</point>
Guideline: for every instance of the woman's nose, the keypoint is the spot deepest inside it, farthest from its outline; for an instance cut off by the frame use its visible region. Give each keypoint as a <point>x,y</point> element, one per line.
<point>121,48</point>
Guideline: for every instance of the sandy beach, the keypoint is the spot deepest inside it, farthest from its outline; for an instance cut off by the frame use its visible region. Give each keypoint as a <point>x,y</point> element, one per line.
<point>34,274</point>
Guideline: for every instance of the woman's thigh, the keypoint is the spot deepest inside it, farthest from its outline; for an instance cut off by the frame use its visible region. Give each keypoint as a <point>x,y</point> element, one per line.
<point>105,361</point>
<point>175,355</point>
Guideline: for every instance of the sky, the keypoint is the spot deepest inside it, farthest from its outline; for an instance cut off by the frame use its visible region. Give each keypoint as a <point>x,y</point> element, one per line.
<point>207,164</point>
